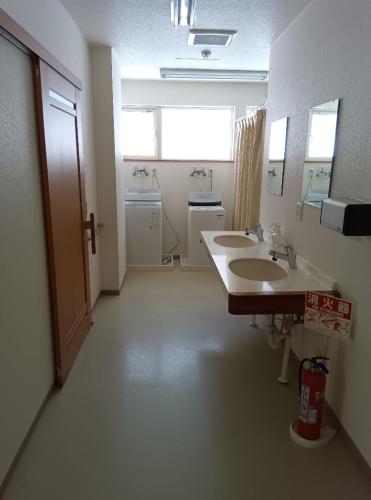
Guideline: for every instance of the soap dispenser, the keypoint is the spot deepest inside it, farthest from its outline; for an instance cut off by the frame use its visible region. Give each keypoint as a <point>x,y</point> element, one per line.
<point>277,238</point>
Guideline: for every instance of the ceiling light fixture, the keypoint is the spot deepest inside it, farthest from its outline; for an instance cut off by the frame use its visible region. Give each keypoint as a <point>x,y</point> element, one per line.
<point>201,59</point>
<point>213,74</point>
<point>183,12</point>
<point>221,38</point>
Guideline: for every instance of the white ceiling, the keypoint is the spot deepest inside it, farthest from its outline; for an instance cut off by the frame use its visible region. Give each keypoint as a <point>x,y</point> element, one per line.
<point>145,39</point>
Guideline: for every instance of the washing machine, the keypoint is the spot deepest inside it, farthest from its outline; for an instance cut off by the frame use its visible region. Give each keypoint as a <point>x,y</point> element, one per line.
<point>143,213</point>
<point>205,213</point>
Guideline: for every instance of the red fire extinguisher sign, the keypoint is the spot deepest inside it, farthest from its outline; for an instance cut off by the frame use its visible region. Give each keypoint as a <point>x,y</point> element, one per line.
<point>328,315</point>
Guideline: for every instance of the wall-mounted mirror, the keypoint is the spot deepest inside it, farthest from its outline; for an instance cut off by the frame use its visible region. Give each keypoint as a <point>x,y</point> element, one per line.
<point>320,152</point>
<point>277,156</point>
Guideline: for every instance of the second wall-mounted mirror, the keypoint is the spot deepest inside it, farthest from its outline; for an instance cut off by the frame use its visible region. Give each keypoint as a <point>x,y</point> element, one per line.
<point>277,156</point>
<point>320,152</point>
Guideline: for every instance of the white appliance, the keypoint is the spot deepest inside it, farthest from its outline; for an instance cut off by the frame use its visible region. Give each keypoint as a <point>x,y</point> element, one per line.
<point>351,217</point>
<point>141,194</point>
<point>143,212</point>
<point>204,199</point>
<point>202,218</point>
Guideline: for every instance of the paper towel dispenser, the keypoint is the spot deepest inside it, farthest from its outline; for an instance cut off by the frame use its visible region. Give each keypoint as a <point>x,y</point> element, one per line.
<point>351,217</point>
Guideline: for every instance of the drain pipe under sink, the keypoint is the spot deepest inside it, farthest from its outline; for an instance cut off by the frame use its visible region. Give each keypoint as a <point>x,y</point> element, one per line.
<point>278,335</point>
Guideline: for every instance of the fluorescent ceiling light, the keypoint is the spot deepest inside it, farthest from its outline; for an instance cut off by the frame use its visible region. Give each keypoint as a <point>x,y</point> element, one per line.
<point>183,12</point>
<point>213,74</point>
<point>221,38</point>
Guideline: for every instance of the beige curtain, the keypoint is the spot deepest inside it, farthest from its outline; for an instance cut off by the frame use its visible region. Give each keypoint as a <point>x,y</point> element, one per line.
<point>249,145</point>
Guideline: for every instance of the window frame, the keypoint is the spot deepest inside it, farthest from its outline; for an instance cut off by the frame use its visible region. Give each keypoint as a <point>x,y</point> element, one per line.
<point>154,110</point>
<point>158,132</point>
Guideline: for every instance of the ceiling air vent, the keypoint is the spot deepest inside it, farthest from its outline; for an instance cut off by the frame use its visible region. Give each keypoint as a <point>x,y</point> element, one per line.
<point>221,38</point>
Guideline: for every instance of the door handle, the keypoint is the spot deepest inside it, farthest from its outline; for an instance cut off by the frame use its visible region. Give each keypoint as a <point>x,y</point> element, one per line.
<point>90,225</point>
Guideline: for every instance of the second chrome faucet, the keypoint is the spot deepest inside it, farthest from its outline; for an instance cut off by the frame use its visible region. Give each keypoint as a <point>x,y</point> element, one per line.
<point>287,254</point>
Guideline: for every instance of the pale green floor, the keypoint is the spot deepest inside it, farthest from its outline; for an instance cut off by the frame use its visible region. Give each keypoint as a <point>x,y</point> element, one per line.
<point>171,398</point>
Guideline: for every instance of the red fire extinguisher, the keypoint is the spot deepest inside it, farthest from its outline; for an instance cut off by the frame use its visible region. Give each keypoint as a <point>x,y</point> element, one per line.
<point>312,384</point>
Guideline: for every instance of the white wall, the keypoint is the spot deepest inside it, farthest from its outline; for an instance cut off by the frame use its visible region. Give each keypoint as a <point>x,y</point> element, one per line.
<point>29,347</point>
<point>175,177</point>
<point>106,80</point>
<point>324,55</point>
<point>26,361</point>
<point>53,27</point>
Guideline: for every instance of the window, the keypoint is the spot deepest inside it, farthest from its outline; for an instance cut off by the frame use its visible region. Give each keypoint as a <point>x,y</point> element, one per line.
<point>196,133</point>
<point>139,133</point>
<point>277,145</point>
<point>178,133</point>
<point>322,135</point>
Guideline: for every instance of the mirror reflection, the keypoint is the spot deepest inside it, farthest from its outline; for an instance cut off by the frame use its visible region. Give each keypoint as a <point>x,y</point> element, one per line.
<point>277,156</point>
<point>320,152</point>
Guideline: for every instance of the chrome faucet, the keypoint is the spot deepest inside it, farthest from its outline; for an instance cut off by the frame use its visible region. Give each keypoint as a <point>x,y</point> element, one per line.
<point>258,232</point>
<point>289,255</point>
<point>140,171</point>
<point>198,172</point>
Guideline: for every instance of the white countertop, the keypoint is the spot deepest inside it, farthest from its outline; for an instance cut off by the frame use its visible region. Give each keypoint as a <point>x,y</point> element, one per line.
<point>298,280</point>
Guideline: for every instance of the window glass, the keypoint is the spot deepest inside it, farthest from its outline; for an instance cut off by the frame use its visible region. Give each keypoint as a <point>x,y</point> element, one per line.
<point>139,133</point>
<point>277,145</point>
<point>322,135</point>
<point>196,133</point>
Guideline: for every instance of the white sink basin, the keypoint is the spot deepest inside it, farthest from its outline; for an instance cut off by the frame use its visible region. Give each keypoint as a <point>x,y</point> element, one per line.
<point>257,270</point>
<point>233,241</point>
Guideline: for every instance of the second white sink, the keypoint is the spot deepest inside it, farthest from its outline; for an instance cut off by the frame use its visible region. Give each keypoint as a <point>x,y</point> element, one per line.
<point>257,270</point>
<point>233,241</point>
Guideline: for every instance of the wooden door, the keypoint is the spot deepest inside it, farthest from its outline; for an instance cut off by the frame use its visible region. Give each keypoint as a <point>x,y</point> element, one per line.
<point>65,212</point>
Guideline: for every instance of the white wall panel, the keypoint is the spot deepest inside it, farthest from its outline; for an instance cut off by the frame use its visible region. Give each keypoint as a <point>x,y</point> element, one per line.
<point>26,354</point>
<point>324,55</point>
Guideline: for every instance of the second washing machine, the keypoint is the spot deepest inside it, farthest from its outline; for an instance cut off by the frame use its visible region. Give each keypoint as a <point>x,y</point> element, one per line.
<point>205,213</point>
